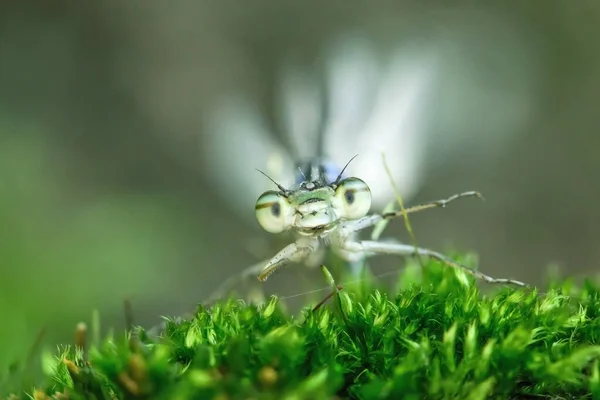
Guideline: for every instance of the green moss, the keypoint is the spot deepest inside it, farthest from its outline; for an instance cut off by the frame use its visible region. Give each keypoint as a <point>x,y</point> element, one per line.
<point>437,336</point>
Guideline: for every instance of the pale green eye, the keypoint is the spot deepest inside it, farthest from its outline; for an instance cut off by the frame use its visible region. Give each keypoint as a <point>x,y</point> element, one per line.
<point>353,198</point>
<point>273,212</point>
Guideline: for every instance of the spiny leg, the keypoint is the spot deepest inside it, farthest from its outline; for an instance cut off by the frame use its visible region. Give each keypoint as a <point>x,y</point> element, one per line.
<point>294,252</point>
<point>370,247</point>
<point>370,220</point>
<point>433,204</point>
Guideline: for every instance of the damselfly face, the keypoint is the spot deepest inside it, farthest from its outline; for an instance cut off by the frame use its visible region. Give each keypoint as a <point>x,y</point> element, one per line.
<point>314,207</point>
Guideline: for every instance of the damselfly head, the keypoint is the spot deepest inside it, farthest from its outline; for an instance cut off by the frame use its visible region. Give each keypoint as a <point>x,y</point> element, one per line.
<point>316,204</point>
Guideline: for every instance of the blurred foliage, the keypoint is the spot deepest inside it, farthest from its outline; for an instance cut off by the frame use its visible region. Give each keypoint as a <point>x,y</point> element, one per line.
<point>436,337</point>
<point>58,251</point>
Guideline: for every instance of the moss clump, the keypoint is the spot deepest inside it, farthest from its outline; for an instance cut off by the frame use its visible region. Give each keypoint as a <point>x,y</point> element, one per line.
<point>435,337</point>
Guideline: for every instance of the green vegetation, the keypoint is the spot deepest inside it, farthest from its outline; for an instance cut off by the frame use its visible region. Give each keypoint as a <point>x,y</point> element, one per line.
<point>435,336</point>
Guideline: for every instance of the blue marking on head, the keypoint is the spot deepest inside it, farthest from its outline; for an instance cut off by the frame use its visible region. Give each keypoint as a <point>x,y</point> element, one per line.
<point>322,171</point>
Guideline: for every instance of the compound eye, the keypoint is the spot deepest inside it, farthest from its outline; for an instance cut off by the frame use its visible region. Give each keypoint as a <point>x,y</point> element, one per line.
<point>273,212</point>
<point>353,198</point>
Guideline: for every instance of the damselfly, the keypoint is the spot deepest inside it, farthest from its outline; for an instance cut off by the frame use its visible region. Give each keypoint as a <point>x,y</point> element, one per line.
<point>323,207</point>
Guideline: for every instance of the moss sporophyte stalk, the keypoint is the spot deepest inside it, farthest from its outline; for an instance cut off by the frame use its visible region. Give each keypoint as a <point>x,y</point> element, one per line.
<point>435,336</point>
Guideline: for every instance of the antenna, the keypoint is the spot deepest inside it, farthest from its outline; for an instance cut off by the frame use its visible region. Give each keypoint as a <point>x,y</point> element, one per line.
<point>302,173</point>
<point>283,190</point>
<point>343,169</point>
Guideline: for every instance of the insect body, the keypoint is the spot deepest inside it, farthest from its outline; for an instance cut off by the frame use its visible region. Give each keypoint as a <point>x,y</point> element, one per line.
<point>330,213</point>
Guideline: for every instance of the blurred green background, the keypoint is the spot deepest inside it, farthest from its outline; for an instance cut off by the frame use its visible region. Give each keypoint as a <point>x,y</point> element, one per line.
<point>106,185</point>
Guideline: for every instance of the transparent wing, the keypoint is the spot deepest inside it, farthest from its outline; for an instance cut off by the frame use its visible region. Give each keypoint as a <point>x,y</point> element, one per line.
<point>374,104</point>
<point>379,105</point>
<point>237,143</point>
<point>300,105</point>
